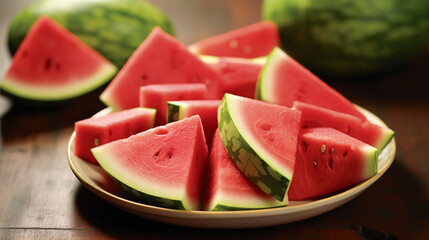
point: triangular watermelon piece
(261, 138)
(328, 160)
(283, 81)
(52, 64)
(159, 59)
(228, 189)
(163, 166)
(315, 116)
(251, 41)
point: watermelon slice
(52, 64)
(328, 160)
(228, 189)
(255, 40)
(283, 81)
(96, 131)
(239, 75)
(206, 109)
(160, 59)
(315, 116)
(162, 166)
(156, 96)
(261, 138)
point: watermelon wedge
(255, 40)
(52, 64)
(238, 75)
(328, 160)
(283, 81)
(162, 166)
(206, 109)
(160, 59)
(315, 116)
(261, 138)
(96, 131)
(156, 96)
(228, 189)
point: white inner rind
(60, 92)
(267, 81)
(231, 200)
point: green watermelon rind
(114, 28)
(141, 188)
(231, 202)
(254, 161)
(173, 111)
(73, 89)
(149, 199)
(372, 161)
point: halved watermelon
(52, 64)
(96, 131)
(283, 81)
(261, 138)
(160, 59)
(156, 96)
(228, 189)
(255, 40)
(239, 75)
(163, 166)
(315, 116)
(206, 109)
(328, 160)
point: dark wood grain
(40, 198)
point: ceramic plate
(95, 179)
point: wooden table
(40, 198)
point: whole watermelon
(350, 37)
(114, 28)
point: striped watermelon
(349, 37)
(263, 146)
(114, 28)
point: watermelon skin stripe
(247, 160)
(130, 21)
(173, 112)
(149, 199)
(221, 207)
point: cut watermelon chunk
(255, 40)
(239, 75)
(315, 116)
(206, 109)
(96, 131)
(328, 160)
(163, 166)
(160, 59)
(157, 96)
(283, 81)
(52, 64)
(228, 189)
(261, 138)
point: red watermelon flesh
(315, 116)
(328, 160)
(255, 40)
(53, 64)
(239, 76)
(96, 131)
(227, 187)
(163, 166)
(156, 96)
(206, 109)
(160, 59)
(283, 81)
